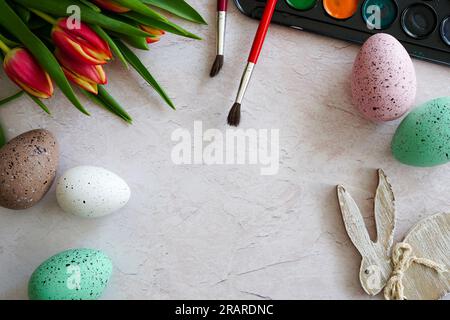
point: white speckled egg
(91, 192)
(383, 79)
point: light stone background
(208, 232)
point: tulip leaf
(91, 5)
(11, 98)
(136, 42)
(113, 104)
(105, 100)
(139, 7)
(167, 26)
(36, 23)
(18, 28)
(2, 137)
(59, 8)
(8, 42)
(111, 43)
(134, 61)
(39, 103)
(179, 8)
(22, 12)
(3, 101)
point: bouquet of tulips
(69, 41)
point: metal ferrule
(245, 80)
(221, 25)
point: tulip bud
(23, 69)
(81, 44)
(111, 6)
(87, 76)
(156, 34)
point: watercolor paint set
(422, 26)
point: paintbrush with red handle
(234, 117)
(221, 25)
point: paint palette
(422, 26)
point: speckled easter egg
(383, 79)
(91, 192)
(76, 274)
(28, 166)
(423, 137)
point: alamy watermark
(74, 279)
(373, 12)
(232, 147)
(374, 17)
(374, 277)
(74, 18)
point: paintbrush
(234, 117)
(221, 26)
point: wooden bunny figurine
(417, 268)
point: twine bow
(402, 259)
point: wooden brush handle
(262, 31)
(222, 5)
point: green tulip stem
(4, 47)
(44, 16)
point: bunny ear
(384, 212)
(354, 223)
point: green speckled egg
(423, 137)
(77, 274)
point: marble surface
(209, 232)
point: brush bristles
(234, 117)
(218, 64)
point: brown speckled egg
(383, 79)
(28, 166)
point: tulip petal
(88, 72)
(88, 36)
(111, 43)
(82, 44)
(83, 83)
(156, 33)
(12, 23)
(32, 91)
(85, 54)
(152, 40)
(153, 31)
(71, 48)
(23, 69)
(101, 75)
(98, 55)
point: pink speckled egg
(383, 79)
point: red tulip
(156, 34)
(81, 44)
(23, 69)
(87, 76)
(111, 6)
